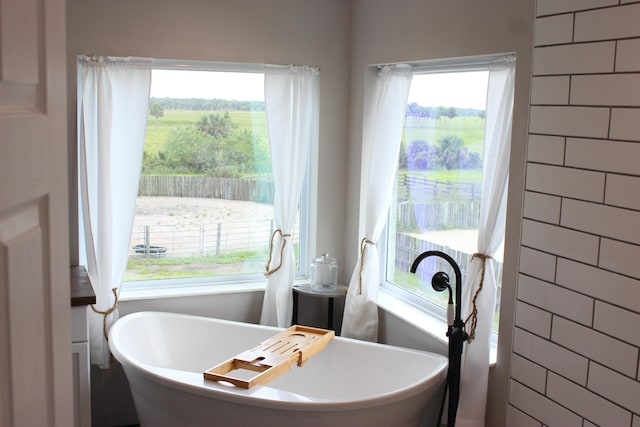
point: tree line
(192, 104)
(415, 110)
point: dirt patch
(191, 210)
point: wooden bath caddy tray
(273, 357)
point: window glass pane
(439, 182)
(204, 205)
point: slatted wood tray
(272, 357)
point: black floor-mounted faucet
(455, 331)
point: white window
(204, 210)
(439, 182)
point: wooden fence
(409, 247)
(440, 215)
(419, 189)
(202, 239)
(206, 187)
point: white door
(35, 344)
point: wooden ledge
(81, 289)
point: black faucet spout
(454, 266)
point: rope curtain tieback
(363, 244)
(473, 316)
(107, 312)
(268, 269)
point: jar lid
(324, 259)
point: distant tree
(451, 112)
(187, 147)
(156, 110)
(419, 155)
(449, 148)
(216, 125)
(469, 159)
(402, 158)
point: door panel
(21, 43)
(21, 239)
(35, 356)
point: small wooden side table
(339, 292)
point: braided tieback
(107, 313)
(363, 244)
(473, 316)
(268, 270)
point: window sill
(187, 290)
(420, 319)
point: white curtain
(386, 97)
(475, 362)
(112, 113)
(292, 103)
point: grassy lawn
(255, 121)
(240, 262)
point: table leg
(330, 320)
(294, 320)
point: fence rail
(419, 189)
(200, 240)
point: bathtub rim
(261, 395)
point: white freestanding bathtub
(349, 383)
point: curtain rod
(185, 64)
(474, 63)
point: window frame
(215, 282)
(429, 308)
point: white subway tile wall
(542, 207)
(520, 419)
(554, 30)
(576, 347)
(537, 263)
(550, 90)
(533, 319)
(555, 299)
(546, 149)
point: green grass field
(470, 129)
(255, 121)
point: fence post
(218, 238)
(201, 240)
(147, 242)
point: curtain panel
(292, 99)
(386, 96)
(479, 283)
(112, 116)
